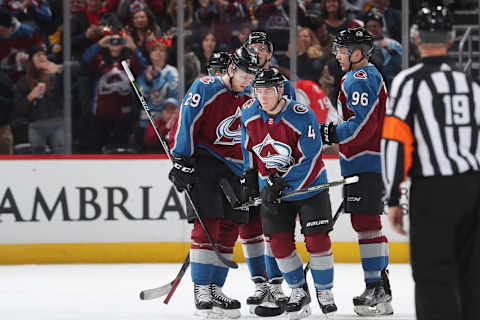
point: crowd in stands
(105, 114)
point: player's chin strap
(358, 61)
(276, 106)
(231, 81)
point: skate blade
(302, 313)
(329, 316)
(206, 315)
(227, 313)
(381, 309)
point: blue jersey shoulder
(363, 78)
(299, 114)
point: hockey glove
(273, 189)
(182, 173)
(249, 185)
(328, 132)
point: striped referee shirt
(431, 127)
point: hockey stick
(167, 289)
(228, 263)
(236, 204)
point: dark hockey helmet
(260, 37)
(218, 63)
(354, 38)
(246, 59)
(434, 18)
(268, 78)
(433, 24)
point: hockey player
(206, 148)
(258, 256)
(281, 139)
(261, 43)
(361, 106)
(218, 64)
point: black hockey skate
(276, 292)
(326, 302)
(261, 291)
(274, 303)
(223, 305)
(203, 302)
(376, 299)
(298, 305)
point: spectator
(86, 28)
(123, 8)
(231, 14)
(171, 17)
(55, 38)
(193, 68)
(390, 48)
(310, 57)
(37, 99)
(15, 39)
(274, 19)
(35, 13)
(205, 13)
(160, 80)
(333, 12)
(164, 119)
(208, 44)
(392, 18)
(142, 28)
(6, 108)
(113, 102)
(241, 37)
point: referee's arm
(396, 153)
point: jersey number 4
(311, 132)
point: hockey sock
(321, 259)
(253, 245)
(373, 245)
(271, 265)
(291, 266)
(226, 236)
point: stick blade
(154, 293)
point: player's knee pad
(365, 222)
(318, 242)
(282, 244)
(251, 230)
(227, 234)
(198, 233)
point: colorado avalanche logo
(229, 131)
(298, 108)
(360, 74)
(274, 154)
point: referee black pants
(445, 246)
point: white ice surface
(110, 291)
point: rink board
(105, 209)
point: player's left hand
(273, 189)
(328, 132)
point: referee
(431, 133)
